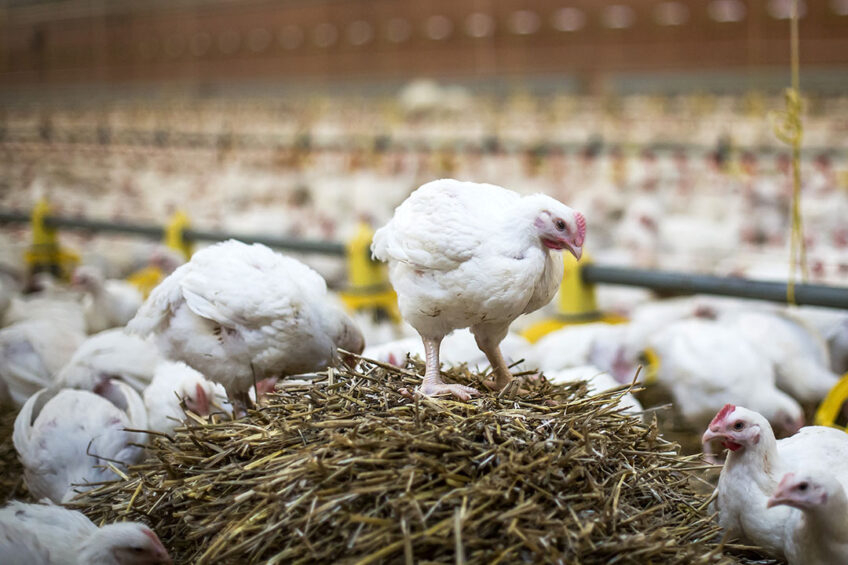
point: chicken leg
(433, 384)
(493, 353)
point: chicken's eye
(560, 225)
(803, 486)
(136, 549)
(738, 426)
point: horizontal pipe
(14, 218)
(685, 283)
(157, 232)
(294, 245)
(153, 232)
(673, 282)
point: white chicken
(46, 534)
(111, 355)
(597, 382)
(172, 382)
(817, 534)
(596, 344)
(66, 439)
(468, 255)
(32, 353)
(59, 307)
(706, 365)
(831, 325)
(241, 313)
(754, 465)
(107, 303)
(799, 355)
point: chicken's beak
(775, 500)
(781, 493)
(575, 250)
(710, 435)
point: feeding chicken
(68, 438)
(174, 382)
(798, 353)
(705, 365)
(242, 313)
(468, 255)
(756, 462)
(108, 356)
(817, 533)
(45, 534)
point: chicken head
(804, 490)
(737, 427)
(565, 231)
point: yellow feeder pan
(576, 303)
(830, 407)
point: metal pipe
(157, 232)
(153, 232)
(294, 245)
(684, 283)
(679, 283)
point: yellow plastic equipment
(369, 287)
(652, 365)
(174, 234)
(576, 303)
(831, 406)
(45, 253)
(146, 279)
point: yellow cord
(790, 131)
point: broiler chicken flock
(466, 260)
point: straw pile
(349, 470)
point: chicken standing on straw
(242, 313)
(468, 255)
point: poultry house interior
(381, 281)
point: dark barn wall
(150, 41)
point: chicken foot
(433, 385)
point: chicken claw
(462, 392)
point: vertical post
(174, 234)
(368, 281)
(45, 254)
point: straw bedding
(348, 470)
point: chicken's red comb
(723, 413)
(581, 227)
